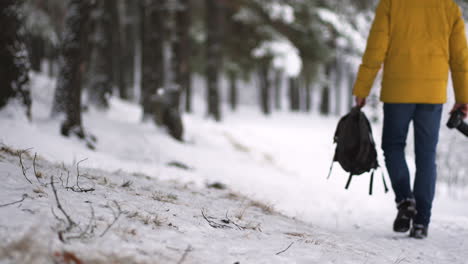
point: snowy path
(281, 161)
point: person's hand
(360, 102)
(462, 107)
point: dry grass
(266, 208)
(8, 150)
(165, 198)
(294, 234)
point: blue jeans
(426, 122)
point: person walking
(418, 42)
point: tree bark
(14, 80)
(213, 56)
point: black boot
(418, 231)
(406, 212)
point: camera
(456, 121)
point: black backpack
(355, 147)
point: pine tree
(14, 80)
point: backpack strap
(331, 167)
(349, 181)
(384, 183)
(371, 182)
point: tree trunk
(233, 90)
(213, 56)
(325, 100)
(129, 40)
(118, 77)
(68, 92)
(265, 88)
(14, 80)
(294, 97)
(102, 57)
(184, 50)
(337, 79)
(308, 94)
(36, 52)
(152, 54)
(278, 85)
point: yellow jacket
(417, 41)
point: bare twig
(116, 217)
(76, 187)
(56, 216)
(79, 189)
(59, 206)
(89, 231)
(213, 223)
(22, 199)
(282, 251)
(234, 223)
(184, 256)
(20, 154)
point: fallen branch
(71, 224)
(184, 256)
(213, 223)
(24, 170)
(24, 197)
(116, 217)
(89, 231)
(282, 251)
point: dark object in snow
(355, 147)
(179, 165)
(217, 185)
(126, 184)
(456, 121)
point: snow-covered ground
(281, 161)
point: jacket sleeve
(459, 57)
(376, 50)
